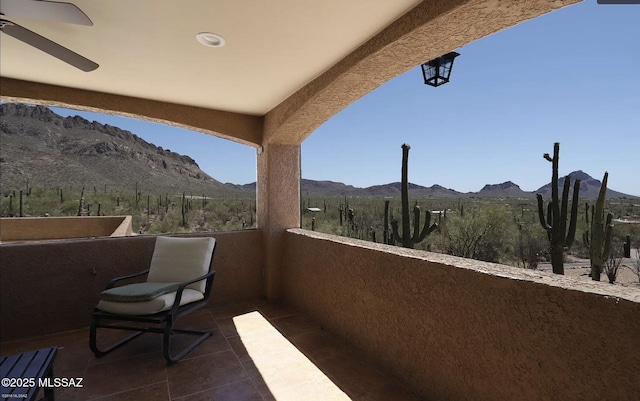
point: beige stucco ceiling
(287, 66)
(147, 48)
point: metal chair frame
(164, 321)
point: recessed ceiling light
(210, 39)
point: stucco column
(278, 201)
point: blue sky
(571, 76)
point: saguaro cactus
(81, 205)
(556, 219)
(627, 247)
(184, 210)
(408, 240)
(385, 229)
(598, 239)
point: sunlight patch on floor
(286, 371)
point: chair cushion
(158, 304)
(181, 259)
(138, 292)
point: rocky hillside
(49, 150)
(505, 190)
(589, 187)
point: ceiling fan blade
(45, 10)
(47, 46)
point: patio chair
(178, 282)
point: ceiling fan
(49, 11)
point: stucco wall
(51, 287)
(458, 329)
(278, 194)
(43, 228)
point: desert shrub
(484, 234)
(612, 264)
(530, 247)
(461, 234)
(498, 244)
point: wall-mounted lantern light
(437, 71)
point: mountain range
(589, 188)
(48, 149)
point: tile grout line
(122, 392)
(226, 338)
(166, 380)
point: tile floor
(258, 351)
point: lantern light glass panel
(437, 71)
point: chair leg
(166, 342)
(93, 339)
(167, 332)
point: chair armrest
(183, 285)
(113, 281)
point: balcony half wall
(459, 329)
(51, 228)
(52, 287)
